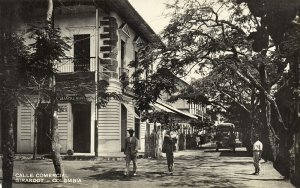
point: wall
(72, 21)
(142, 136)
(25, 127)
(130, 47)
(109, 128)
(65, 126)
(76, 20)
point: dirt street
(198, 168)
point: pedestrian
(198, 141)
(131, 149)
(168, 148)
(257, 151)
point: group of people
(131, 150)
(132, 143)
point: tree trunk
(295, 121)
(56, 158)
(158, 143)
(35, 135)
(7, 17)
(295, 160)
(155, 142)
(271, 136)
(8, 148)
(269, 152)
(251, 116)
(147, 141)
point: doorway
(43, 129)
(123, 126)
(81, 53)
(81, 127)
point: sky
(153, 12)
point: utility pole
(96, 80)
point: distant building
(189, 109)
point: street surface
(193, 168)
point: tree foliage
(212, 36)
(230, 45)
(48, 49)
(13, 55)
(148, 86)
(276, 19)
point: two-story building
(104, 35)
(191, 110)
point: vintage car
(225, 136)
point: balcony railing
(69, 65)
(76, 65)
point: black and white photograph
(150, 93)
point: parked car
(225, 136)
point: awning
(169, 108)
(161, 108)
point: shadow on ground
(234, 154)
(186, 174)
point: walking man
(168, 148)
(131, 149)
(257, 151)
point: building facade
(104, 33)
(119, 29)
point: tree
(216, 36)
(34, 94)
(9, 99)
(36, 72)
(279, 21)
(227, 96)
(48, 48)
(12, 54)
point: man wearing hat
(257, 151)
(131, 149)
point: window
(81, 53)
(123, 45)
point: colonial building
(104, 37)
(106, 32)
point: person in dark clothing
(131, 149)
(168, 148)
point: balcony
(74, 65)
(71, 65)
